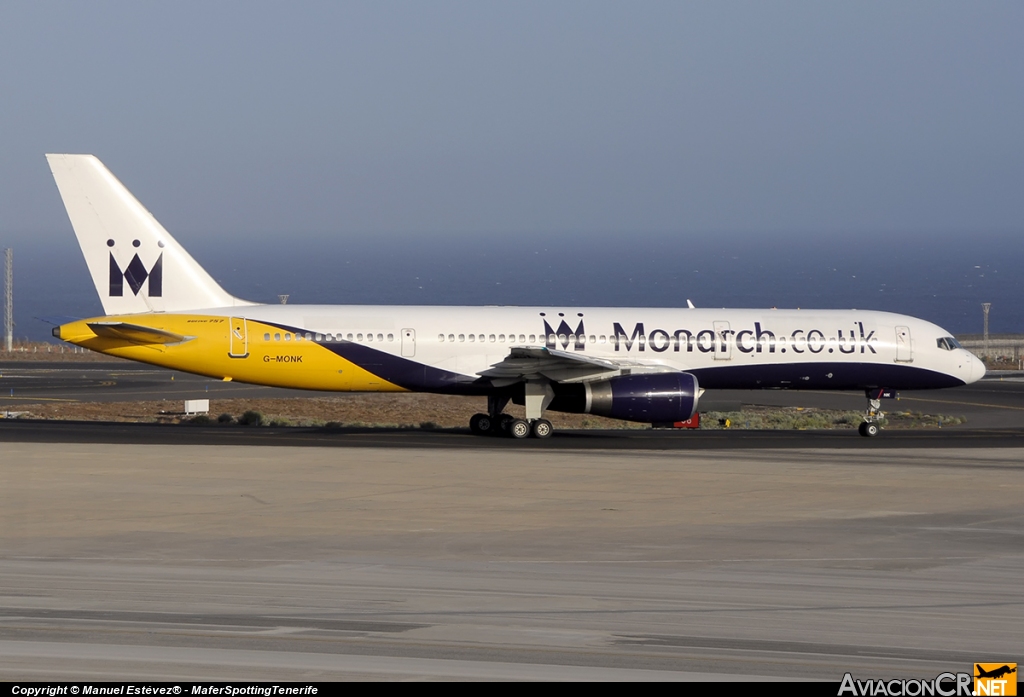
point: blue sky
(249, 120)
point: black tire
(860, 429)
(541, 428)
(480, 424)
(519, 429)
(871, 430)
(503, 422)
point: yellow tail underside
(227, 349)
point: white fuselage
(736, 348)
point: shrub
(225, 419)
(251, 418)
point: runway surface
(244, 562)
(132, 551)
(25, 431)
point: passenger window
(501, 338)
(440, 338)
(462, 337)
(359, 337)
(451, 337)
(492, 338)
(380, 337)
(593, 339)
(522, 338)
(329, 337)
(391, 337)
(277, 336)
(602, 339)
(533, 338)
(266, 337)
(287, 337)
(472, 338)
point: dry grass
(409, 410)
(385, 410)
(441, 411)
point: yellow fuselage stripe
(227, 349)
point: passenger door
(408, 343)
(904, 345)
(239, 338)
(723, 346)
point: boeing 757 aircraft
(636, 364)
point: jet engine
(650, 398)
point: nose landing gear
(874, 414)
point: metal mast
(985, 308)
(8, 299)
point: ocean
(941, 278)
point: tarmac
(130, 555)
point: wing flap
(525, 362)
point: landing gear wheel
(480, 424)
(542, 428)
(868, 429)
(518, 428)
(503, 422)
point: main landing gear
(507, 425)
(874, 414)
(538, 397)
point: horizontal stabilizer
(135, 333)
(58, 320)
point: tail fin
(136, 265)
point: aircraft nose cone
(976, 370)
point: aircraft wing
(136, 334)
(525, 362)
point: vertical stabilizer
(135, 263)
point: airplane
(648, 365)
(995, 673)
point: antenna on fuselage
(283, 299)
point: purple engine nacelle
(651, 398)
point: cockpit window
(948, 343)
